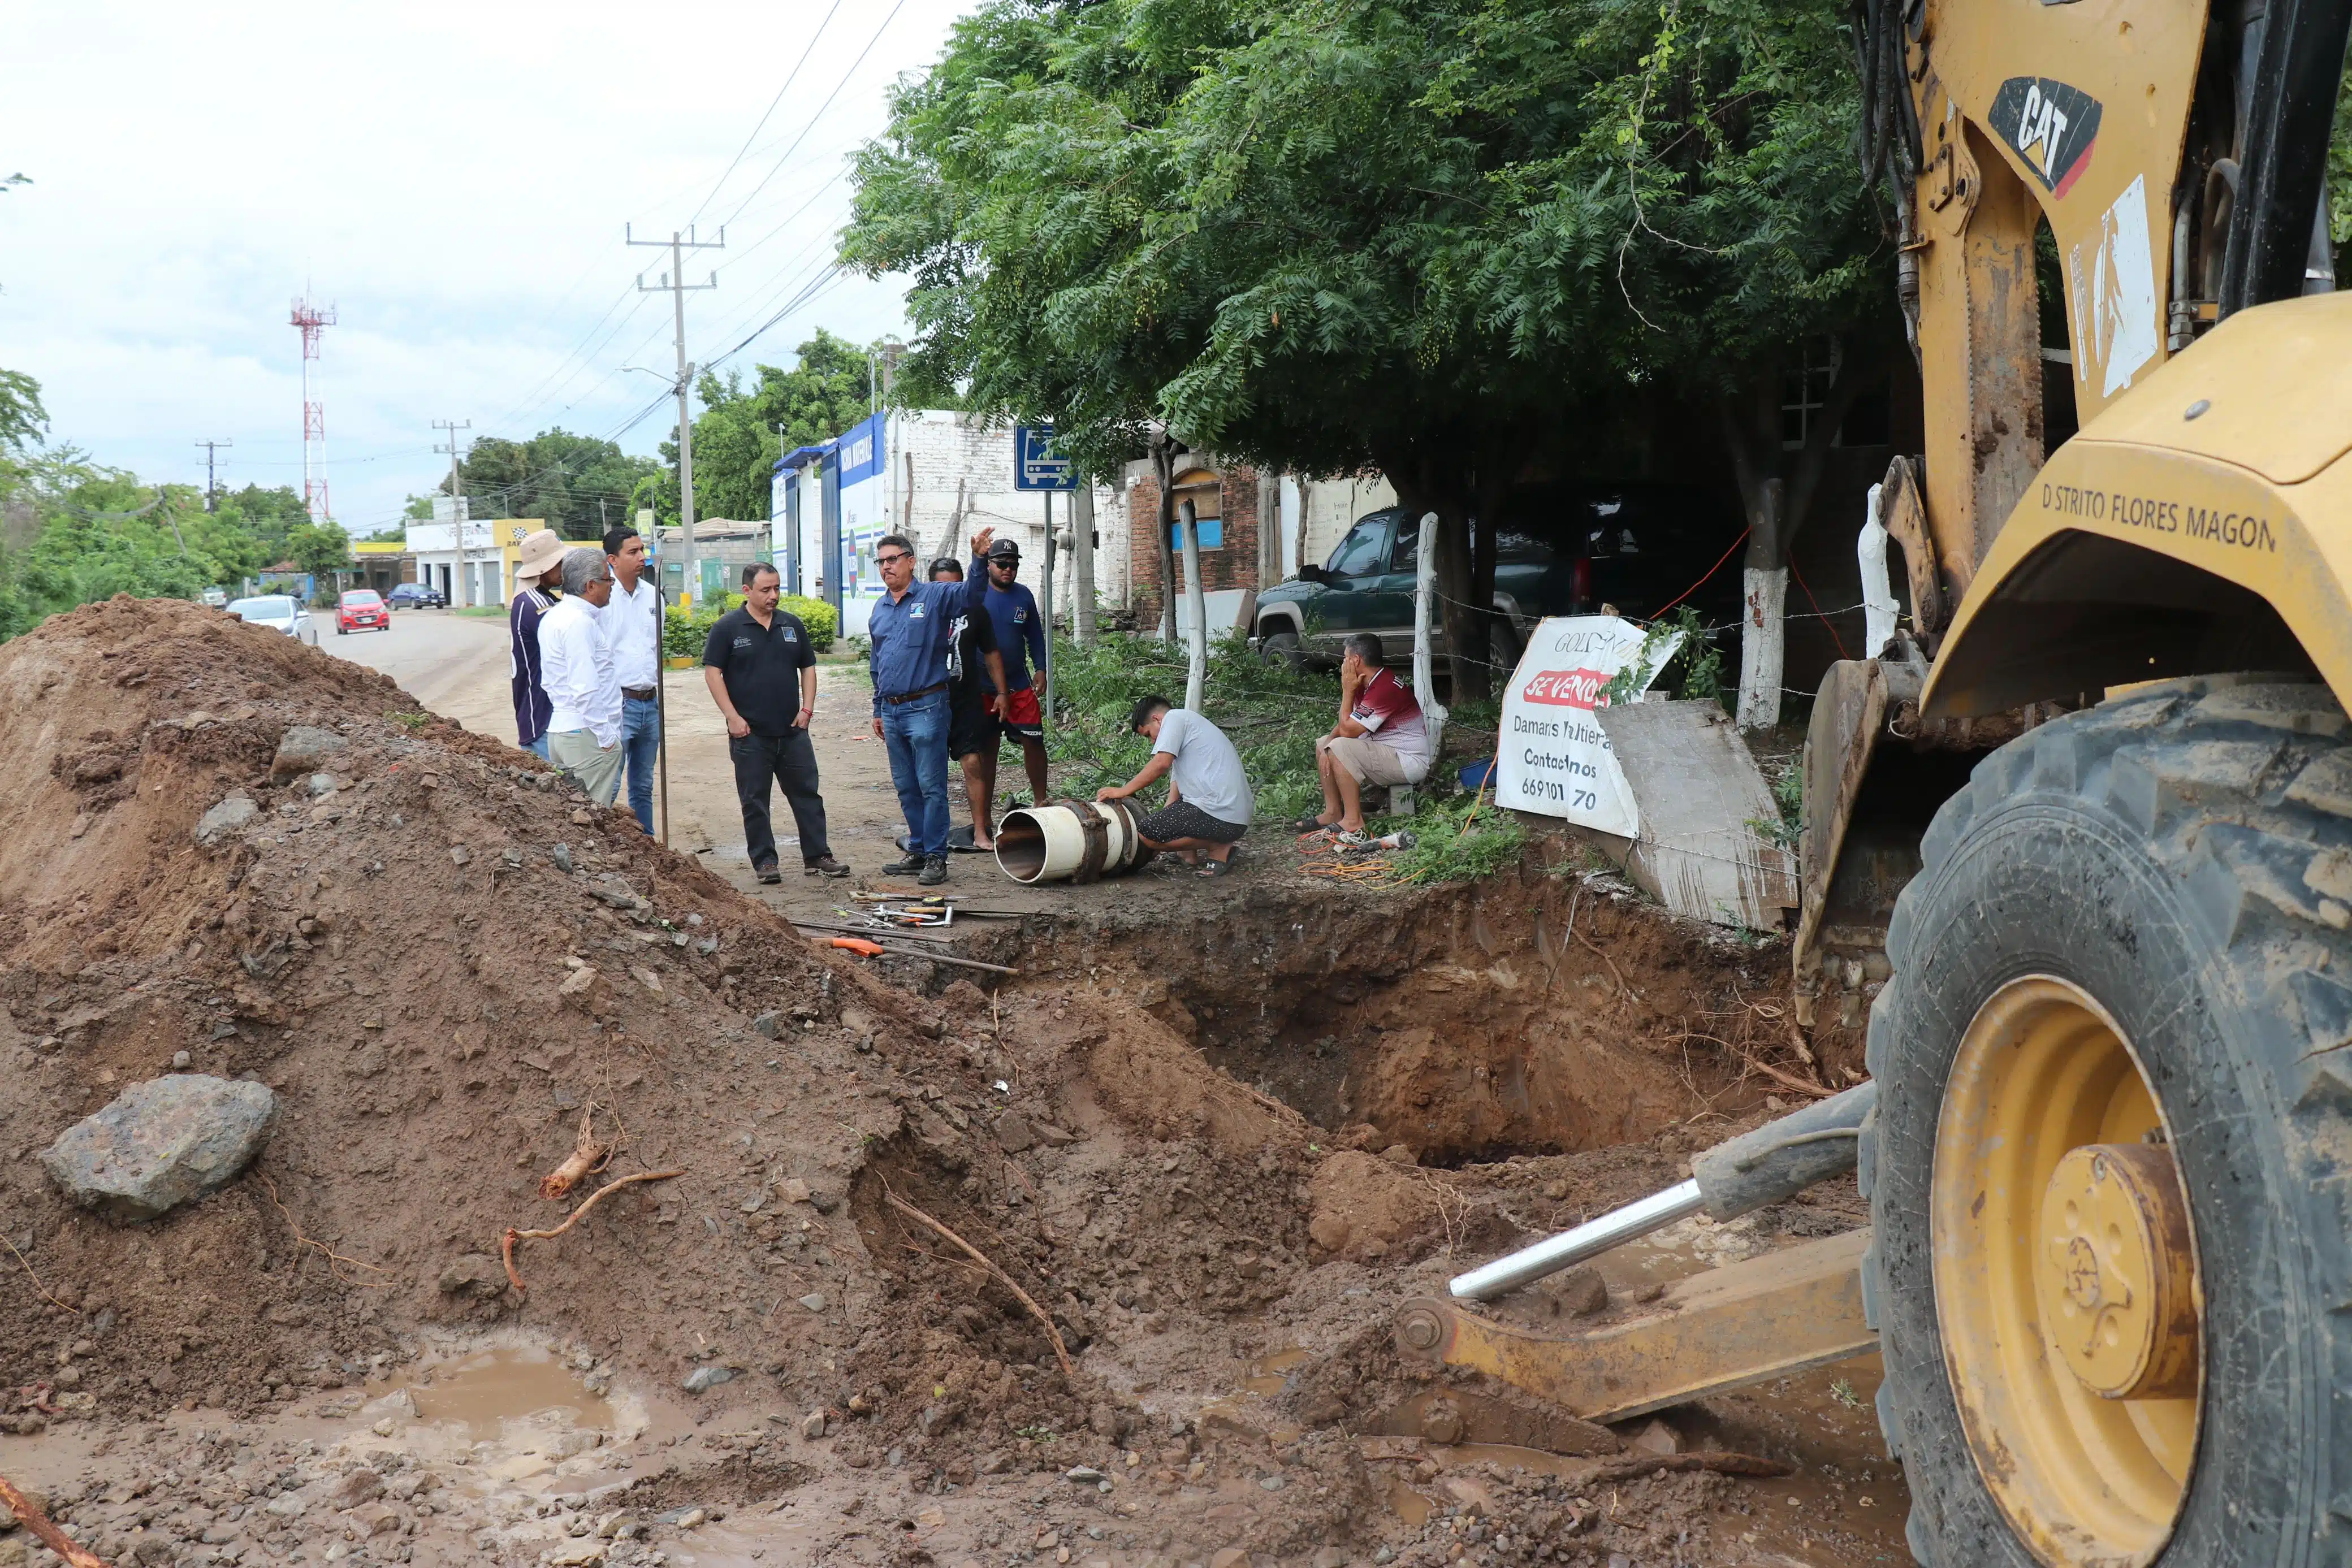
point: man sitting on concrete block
(1381, 739)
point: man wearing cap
(584, 695)
(910, 629)
(538, 572)
(633, 624)
(1020, 637)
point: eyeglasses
(892, 560)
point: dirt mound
(446, 965)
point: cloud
(455, 179)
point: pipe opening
(1020, 846)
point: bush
(686, 631)
(1272, 714)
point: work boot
(935, 871)
(913, 861)
(825, 865)
(766, 872)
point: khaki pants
(1370, 762)
(595, 769)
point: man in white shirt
(584, 695)
(1210, 804)
(633, 624)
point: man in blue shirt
(911, 628)
(1020, 637)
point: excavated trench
(1537, 1013)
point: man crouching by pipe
(1209, 804)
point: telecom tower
(313, 319)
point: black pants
(791, 762)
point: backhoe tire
(2182, 856)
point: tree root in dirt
(506, 1247)
(335, 1260)
(33, 1519)
(1061, 1351)
(587, 1157)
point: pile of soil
(446, 965)
(444, 962)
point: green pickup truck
(1561, 549)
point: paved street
(456, 666)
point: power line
(842, 83)
(773, 104)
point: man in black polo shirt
(761, 673)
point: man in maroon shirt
(1381, 739)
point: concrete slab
(1701, 799)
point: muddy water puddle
(492, 1390)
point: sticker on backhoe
(2052, 126)
(2112, 292)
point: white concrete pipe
(1070, 841)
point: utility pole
(456, 511)
(673, 282)
(212, 485)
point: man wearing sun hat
(538, 572)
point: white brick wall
(955, 477)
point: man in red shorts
(1020, 638)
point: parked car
(279, 613)
(362, 610)
(1561, 549)
(416, 596)
(216, 597)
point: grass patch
(482, 611)
(1451, 845)
(1274, 715)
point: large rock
(304, 748)
(224, 819)
(162, 1142)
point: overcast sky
(454, 180)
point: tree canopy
(580, 484)
(72, 531)
(1435, 236)
(743, 429)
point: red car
(360, 610)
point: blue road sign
(1035, 465)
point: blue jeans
(539, 748)
(640, 740)
(916, 734)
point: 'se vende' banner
(1553, 756)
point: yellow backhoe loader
(2078, 838)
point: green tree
(743, 430)
(72, 531)
(1436, 237)
(581, 485)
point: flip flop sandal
(1309, 822)
(1213, 868)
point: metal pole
(678, 287)
(457, 513)
(1570, 1247)
(684, 422)
(1046, 713)
(661, 700)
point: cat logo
(2051, 126)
